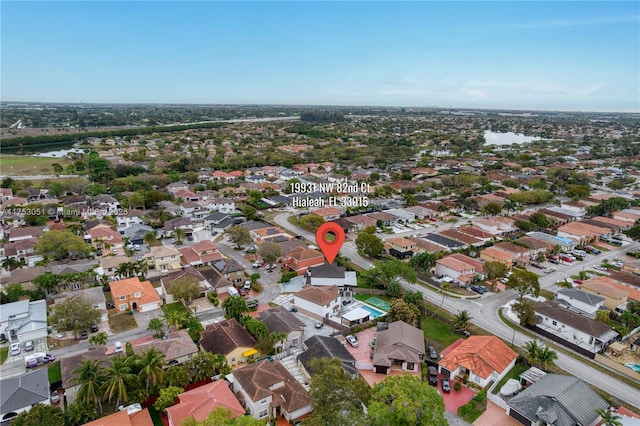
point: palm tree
(179, 234)
(119, 375)
(609, 418)
(99, 339)
(140, 268)
(461, 321)
(532, 348)
(90, 376)
(151, 363)
(150, 237)
(546, 357)
(157, 326)
(10, 263)
(175, 319)
(204, 365)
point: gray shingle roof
(23, 391)
(559, 400)
(329, 347)
(581, 296)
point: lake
(59, 153)
(496, 138)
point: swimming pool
(633, 367)
(373, 311)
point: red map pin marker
(330, 249)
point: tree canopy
(75, 314)
(58, 244)
(405, 400)
(524, 282)
(185, 288)
(369, 244)
(239, 235)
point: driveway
(495, 415)
(454, 400)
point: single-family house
(163, 258)
(230, 339)
(615, 295)
(557, 400)
(483, 358)
(398, 346)
(124, 418)
(318, 302)
(230, 269)
(180, 274)
(331, 275)
(580, 301)
(267, 390)
(136, 233)
(590, 335)
(583, 233)
(318, 346)
(20, 393)
(177, 346)
(106, 238)
(202, 253)
(24, 320)
(493, 254)
(133, 294)
(383, 218)
(221, 205)
(199, 402)
(328, 213)
(109, 264)
(22, 250)
(301, 258)
(361, 221)
(459, 270)
(401, 248)
(280, 320)
(129, 218)
(27, 232)
(217, 282)
(93, 295)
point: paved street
(485, 313)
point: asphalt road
(485, 312)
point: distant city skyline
(578, 56)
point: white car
(14, 349)
(353, 341)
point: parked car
(14, 349)
(99, 252)
(247, 285)
(433, 354)
(446, 386)
(49, 358)
(554, 259)
(257, 263)
(58, 334)
(483, 288)
(353, 341)
(433, 376)
(477, 289)
(319, 325)
(118, 347)
(84, 335)
(55, 397)
(94, 328)
(29, 346)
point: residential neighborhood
(180, 273)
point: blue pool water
(373, 311)
(634, 367)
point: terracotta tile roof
(302, 253)
(401, 242)
(328, 211)
(475, 232)
(318, 295)
(460, 236)
(130, 286)
(121, 418)
(497, 254)
(477, 264)
(454, 264)
(480, 354)
(177, 345)
(198, 403)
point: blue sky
(523, 55)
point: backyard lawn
(122, 322)
(55, 374)
(514, 373)
(437, 331)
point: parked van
(233, 291)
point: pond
(497, 138)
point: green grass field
(4, 354)
(122, 322)
(14, 165)
(438, 332)
(55, 373)
(514, 373)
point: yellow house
(230, 339)
(612, 292)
